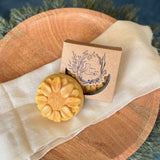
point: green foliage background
(150, 150)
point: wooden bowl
(37, 41)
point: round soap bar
(91, 87)
(59, 97)
(94, 87)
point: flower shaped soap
(59, 97)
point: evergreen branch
(156, 40)
(126, 12)
(105, 6)
(90, 4)
(53, 4)
(156, 29)
(19, 15)
(5, 27)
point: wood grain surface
(38, 41)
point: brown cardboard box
(91, 64)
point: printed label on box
(94, 66)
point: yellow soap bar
(59, 97)
(89, 88)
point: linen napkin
(25, 134)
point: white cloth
(25, 134)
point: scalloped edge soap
(59, 97)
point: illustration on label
(88, 68)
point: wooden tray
(37, 41)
